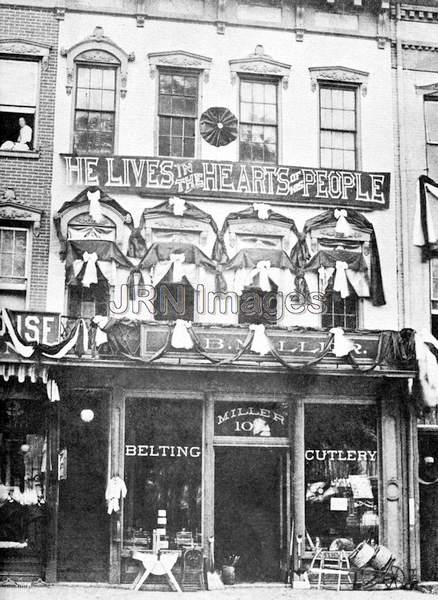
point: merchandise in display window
(163, 446)
(341, 475)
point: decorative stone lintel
(179, 59)
(26, 48)
(97, 43)
(260, 63)
(339, 75)
(425, 90)
(140, 20)
(12, 211)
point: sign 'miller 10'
(230, 179)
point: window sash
(338, 313)
(23, 95)
(13, 259)
(338, 123)
(258, 132)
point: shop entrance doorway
(83, 523)
(252, 511)
(428, 478)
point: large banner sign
(206, 178)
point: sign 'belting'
(206, 178)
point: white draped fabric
(238, 279)
(427, 367)
(418, 229)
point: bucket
(228, 575)
(362, 555)
(381, 558)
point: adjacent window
(95, 108)
(13, 254)
(257, 306)
(431, 123)
(86, 302)
(340, 312)
(177, 113)
(174, 301)
(338, 127)
(18, 103)
(258, 121)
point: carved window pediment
(339, 75)
(179, 59)
(260, 63)
(97, 48)
(22, 47)
(426, 90)
(11, 211)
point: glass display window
(163, 472)
(341, 465)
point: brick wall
(31, 178)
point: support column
(116, 468)
(52, 492)
(298, 471)
(208, 474)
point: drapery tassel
(52, 391)
(342, 346)
(340, 283)
(90, 275)
(260, 342)
(95, 208)
(262, 210)
(178, 204)
(101, 337)
(177, 260)
(181, 338)
(342, 225)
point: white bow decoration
(181, 338)
(52, 391)
(260, 342)
(262, 270)
(179, 205)
(177, 259)
(101, 337)
(341, 345)
(340, 283)
(95, 208)
(90, 275)
(342, 225)
(261, 210)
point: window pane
(189, 147)
(271, 94)
(191, 86)
(6, 265)
(190, 107)
(83, 77)
(245, 133)
(164, 146)
(349, 119)
(270, 135)
(245, 151)
(96, 78)
(326, 118)
(325, 97)
(189, 127)
(337, 159)
(326, 158)
(431, 116)
(165, 125)
(22, 71)
(270, 153)
(349, 141)
(337, 98)
(176, 146)
(246, 91)
(176, 126)
(258, 91)
(95, 99)
(83, 99)
(246, 112)
(349, 99)
(81, 120)
(326, 139)
(337, 119)
(178, 105)
(349, 160)
(107, 100)
(20, 241)
(19, 265)
(107, 122)
(7, 240)
(165, 105)
(270, 113)
(257, 152)
(109, 79)
(178, 85)
(258, 111)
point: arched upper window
(97, 70)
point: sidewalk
(253, 592)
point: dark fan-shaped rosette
(218, 126)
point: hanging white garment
(90, 275)
(178, 204)
(262, 210)
(260, 343)
(342, 225)
(115, 490)
(341, 345)
(340, 283)
(427, 367)
(95, 208)
(181, 338)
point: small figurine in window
(23, 140)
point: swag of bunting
(394, 348)
(88, 261)
(424, 230)
(343, 220)
(340, 269)
(179, 207)
(259, 211)
(77, 339)
(176, 261)
(260, 268)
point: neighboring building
(29, 57)
(176, 125)
(415, 67)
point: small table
(156, 563)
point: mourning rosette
(218, 126)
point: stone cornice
(22, 47)
(259, 63)
(339, 75)
(179, 59)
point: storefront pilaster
(208, 474)
(116, 469)
(298, 470)
(53, 494)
